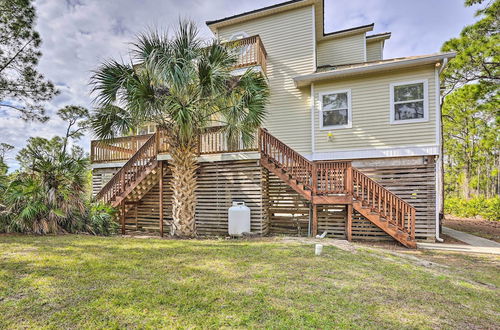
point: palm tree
(184, 86)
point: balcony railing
(118, 149)
(213, 141)
(251, 52)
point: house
(351, 143)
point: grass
(92, 282)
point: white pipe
(439, 163)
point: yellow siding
(288, 39)
(344, 50)
(371, 128)
(374, 51)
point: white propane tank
(238, 219)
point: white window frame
(243, 35)
(349, 110)
(425, 100)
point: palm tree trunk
(183, 166)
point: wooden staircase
(337, 182)
(319, 182)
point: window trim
(349, 110)
(425, 100)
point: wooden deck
(325, 185)
(214, 141)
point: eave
(371, 67)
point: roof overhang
(347, 32)
(378, 37)
(392, 64)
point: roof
(340, 71)
(270, 10)
(252, 12)
(350, 31)
(378, 36)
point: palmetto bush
(49, 198)
(50, 193)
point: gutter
(305, 80)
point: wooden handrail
(117, 149)
(321, 177)
(133, 168)
(395, 210)
(213, 141)
(251, 52)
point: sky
(79, 34)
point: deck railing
(213, 141)
(321, 177)
(395, 210)
(118, 149)
(251, 52)
(324, 178)
(143, 159)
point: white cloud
(78, 34)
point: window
(146, 129)
(335, 109)
(409, 102)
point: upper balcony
(213, 141)
(251, 53)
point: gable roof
(270, 10)
(251, 12)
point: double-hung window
(335, 109)
(409, 102)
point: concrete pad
(459, 248)
(470, 239)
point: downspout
(312, 148)
(439, 140)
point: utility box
(238, 219)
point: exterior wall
(371, 127)
(342, 50)
(411, 178)
(289, 41)
(276, 208)
(374, 50)
(101, 176)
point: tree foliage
(471, 106)
(184, 86)
(50, 193)
(477, 48)
(22, 87)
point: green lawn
(91, 282)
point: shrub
(100, 220)
(478, 206)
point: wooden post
(349, 222)
(136, 206)
(349, 183)
(122, 215)
(314, 229)
(161, 197)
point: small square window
(409, 102)
(335, 109)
